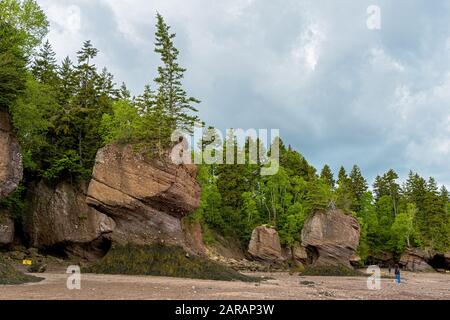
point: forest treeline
(64, 112)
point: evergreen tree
(66, 85)
(327, 176)
(178, 108)
(358, 187)
(44, 67)
(344, 196)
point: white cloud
(307, 50)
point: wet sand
(415, 286)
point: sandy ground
(283, 286)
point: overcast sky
(340, 93)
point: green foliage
(12, 65)
(290, 231)
(28, 19)
(122, 125)
(403, 229)
(10, 276)
(327, 176)
(166, 261)
(15, 204)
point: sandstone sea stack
(147, 198)
(265, 245)
(331, 238)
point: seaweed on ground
(162, 260)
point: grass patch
(10, 276)
(166, 261)
(331, 271)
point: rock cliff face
(265, 245)
(6, 228)
(146, 198)
(415, 260)
(11, 170)
(331, 238)
(59, 217)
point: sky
(345, 82)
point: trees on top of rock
(153, 116)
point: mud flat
(282, 286)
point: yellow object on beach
(27, 262)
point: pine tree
(123, 93)
(86, 75)
(344, 196)
(66, 87)
(358, 187)
(327, 176)
(177, 107)
(45, 67)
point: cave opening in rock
(439, 262)
(313, 254)
(57, 250)
(92, 251)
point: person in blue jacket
(397, 274)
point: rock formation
(146, 198)
(265, 245)
(331, 238)
(11, 170)
(415, 260)
(297, 254)
(59, 217)
(6, 228)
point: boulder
(59, 217)
(147, 198)
(331, 238)
(11, 170)
(6, 229)
(415, 260)
(265, 245)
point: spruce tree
(327, 176)
(358, 187)
(44, 67)
(177, 108)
